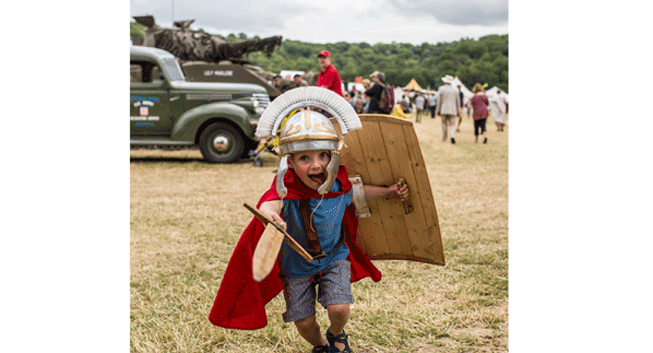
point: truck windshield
(173, 69)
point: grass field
(187, 215)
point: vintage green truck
(167, 110)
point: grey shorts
(334, 288)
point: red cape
(240, 302)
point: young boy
(298, 276)
(310, 198)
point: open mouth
(318, 178)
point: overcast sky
(380, 21)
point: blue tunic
(328, 221)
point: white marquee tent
(398, 94)
(493, 91)
(467, 94)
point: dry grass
(186, 217)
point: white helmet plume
(303, 97)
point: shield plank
(384, 151)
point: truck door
(149, 101)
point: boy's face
(311, 167)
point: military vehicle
(211, 58)
(226, 71)
(168, 110)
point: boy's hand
(373, 192)
(277, 219)
(271, 209)
(399, 193)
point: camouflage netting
(188, 45)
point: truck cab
(167, 110)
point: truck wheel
(221, 143)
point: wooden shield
(383, 151)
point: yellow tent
(413, 85)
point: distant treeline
(484, 60)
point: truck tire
(221, 143)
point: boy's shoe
(341, 338)
(321, 349)
(453, 140)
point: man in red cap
(328, 77)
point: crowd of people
(448, 103)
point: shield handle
(408, 204)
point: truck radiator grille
(263, 99)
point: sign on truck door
(149, 101)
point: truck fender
(186, 127)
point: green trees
(484, 60)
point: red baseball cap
(324, 53)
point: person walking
(499, 109)
(460, 117)
(432, 101)
(448, 108)
(328, 77)
(480, 103)
(419, 107)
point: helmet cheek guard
(332, 172)
(299, 128)
(283, 168)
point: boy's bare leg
(310, 330)
(338, 315)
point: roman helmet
(296, 124)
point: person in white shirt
(448, 107)
(499, 109)
(419, 108)
(432, 101)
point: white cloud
(373, 22)
(468, 12)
